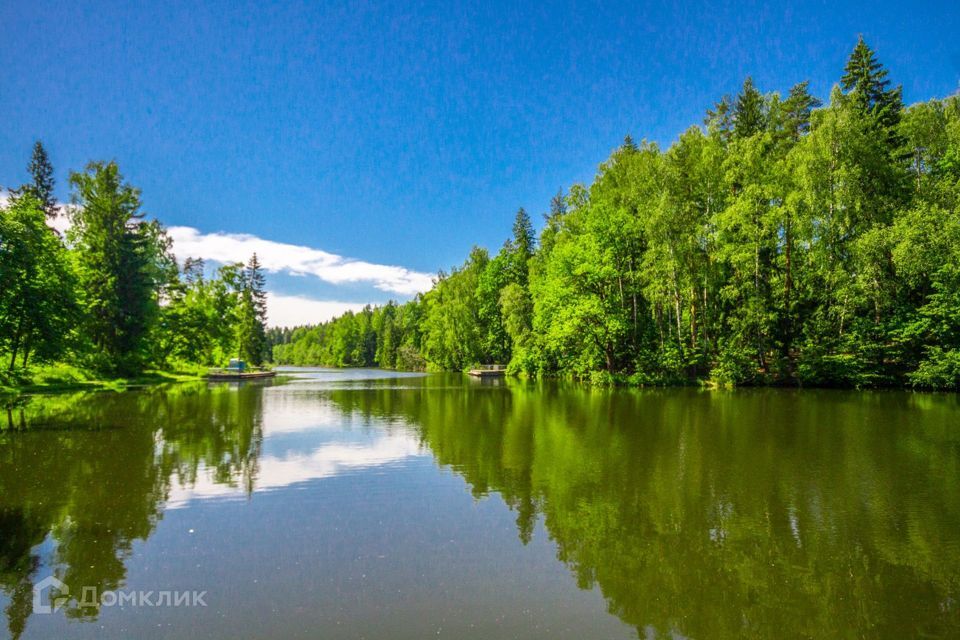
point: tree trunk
(15, 344)
(693, 318)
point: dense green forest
(784, 241)
(108, 295)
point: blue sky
(400, 134)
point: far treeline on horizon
(786, 240)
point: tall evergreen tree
(865, 79)
(748, 111)
(42, 181)
(257, 282)
(523, 236)
(252, 331)
(523, 245)
(797, 109)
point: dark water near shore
(366, 504)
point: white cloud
(329, 460)
(296, 260)
(291, 259)
(293, 311)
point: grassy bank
(54, 378)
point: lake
(371, 504)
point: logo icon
(55, 600)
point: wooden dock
(220, 375)
(489, 371)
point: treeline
(108, 294)
(783, 241)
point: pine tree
(257, 282)
(41, 186)
(523, 236)
(523, 244)
(797, 109)
(252, 332)
(748, 112)
(865, 79)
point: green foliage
(252, 314)
(866, 80)
(121, 263)
(109, 296)
(749, 112)
(41, 187)
(784, 242)
(37, 291)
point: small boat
(489, 371)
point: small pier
(489, 371)
(238, 370)
(225, 374)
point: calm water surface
(366, 504)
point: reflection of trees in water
(91, 473)
(19, 533)
(722, 515)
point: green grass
(58, 377)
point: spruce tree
(523, 237)
(865, 80)
(257, 283)
(252, 332)
(42, 183)
(797, 109)
(522, 244)
(748, 112)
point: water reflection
(697, 514)
(722, 515)
(83, 477)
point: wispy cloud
(296, 260)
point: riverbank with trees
(786, 240)
(106, 302)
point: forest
(785, 240)
(107, 297)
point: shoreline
(10, 388)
